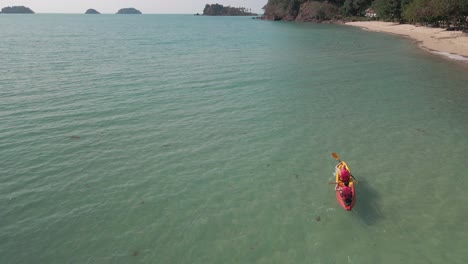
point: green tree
(387, 9)
(415, 11)
(355, 7)
(438, 12)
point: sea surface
(185, 139)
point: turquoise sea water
(183, 139)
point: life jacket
(346, 192)
(344, 175)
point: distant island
(220, 10)
(129, 11)
(92, 12)
(16, 10)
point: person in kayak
(346, 193)
(344, 175)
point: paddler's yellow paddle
(334, 155)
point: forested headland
(220, 10)
(436, 13)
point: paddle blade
(334, 155)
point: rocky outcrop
(303, 11)
(317, 12)
(286, 10)
(17, 10)
(92, 12)
(129, 11)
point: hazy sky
(145, 6)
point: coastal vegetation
(436, 13)
(220, 10)
(16, 10)
(129, 11)
(92, 12)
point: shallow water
(182, 139)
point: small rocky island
(129, 11)
(16, 10)
(92, 12)
(220, 10)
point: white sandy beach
(453, 44)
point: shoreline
(450, 44)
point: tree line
(220, 10)
(438, 13)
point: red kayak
(346, 202)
